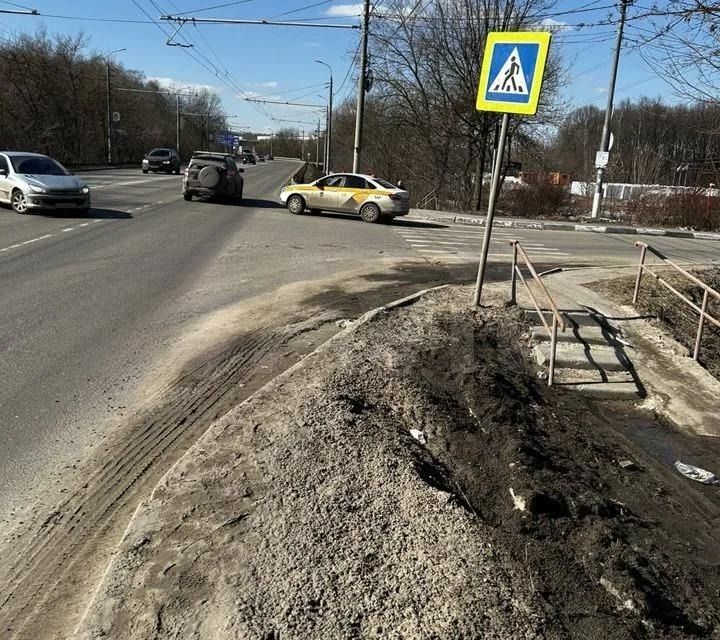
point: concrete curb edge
(567, 226)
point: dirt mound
(415, 480)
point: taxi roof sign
(512, 71)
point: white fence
(625, 191)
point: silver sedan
(31, 181)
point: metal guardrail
(707, 290)
(557, 319)
(430, 197)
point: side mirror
(241, 170)
(3, 172)
(320, 186)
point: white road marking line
(98, 220)
(84, 224)
(68, 229)
(20, 244)
(124, 184)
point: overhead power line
(180, 19)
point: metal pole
(597, 197)
(317, 146)
(513, 276)
(491, 209)
(329, 127)
(643, 250)
(327, 124)
(361, 88)
(553, 349)
(701, 326)
(109, 114)
(177, 123)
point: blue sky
(278, 62)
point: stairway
(590, 356)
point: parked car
(31, 181)
(213, 174)
(248, 157)
(371, 197)
(261, 158)
(166, 160)
(270, 158)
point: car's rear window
(160, 153)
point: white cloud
(266, 85)
(556, 26)
(345, 10)
(600, 89)
(176, 85)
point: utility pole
(109, 111)
(177, 123)
(317, 145)
(597, 197)
(361, 87)
(328, 128)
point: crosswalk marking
(449, 243)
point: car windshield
(38, 165)
(159, 153)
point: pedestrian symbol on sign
(511, 78)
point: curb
(565, 226)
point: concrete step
(612, 385)
(572, 318)
(578, 356)
(587, 334)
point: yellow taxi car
(368, 196)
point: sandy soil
(514, 511)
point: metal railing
(707, 290)
(430, 197)
(557, 319)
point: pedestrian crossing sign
(512, 71)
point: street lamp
(328, 142)
(109, 112)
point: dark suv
(166, 160)
(213, 174)
(248, 157)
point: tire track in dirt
(48, 581)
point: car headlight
(166, 161)
(85, 189)
(35, 189)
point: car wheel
(238, 198)
(177, 171)
(19, 201)
(145, 170)
(187, 196)
(370, 212)
(296, 204)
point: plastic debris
(542, 375)
(518, 501)
(418, 435)
(628, 464)
(696, 473)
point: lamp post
(109, 112)
(329, 117)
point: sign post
(510, 82)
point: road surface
(126, 332)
